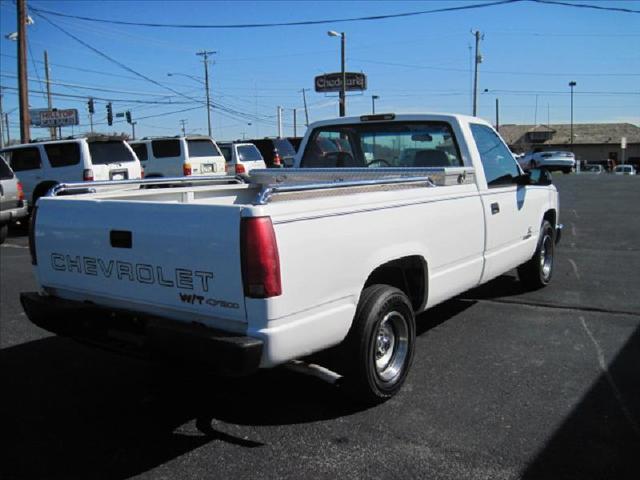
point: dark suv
(269, 147)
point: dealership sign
(57, 118)
(332, 82)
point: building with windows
(592, 142)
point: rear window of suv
(249, 153)
(202, 148)
(165, 148)
(285, 149)
(109, 152)
(63, 154)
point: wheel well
(40, 190)
(550, 216)
(408, 274)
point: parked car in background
(241, 157)
(594, 169)
(41, 165)
(12, 204)
(551, 160)
(295, 141)
(179, 156)
(624, 170)
(276, 152)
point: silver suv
(12, 204)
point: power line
(584, 5)
(277, 24)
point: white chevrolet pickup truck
(383, 217)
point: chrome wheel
(391, 346)
(546, 256)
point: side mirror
(540, 176)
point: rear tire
(537, 272)
(378, 350)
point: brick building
(592, 142)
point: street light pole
(373, 103)
(571, 85)
(343, 72)
(205, 54)
(478, 36)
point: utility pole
(479, 36)
(6, 124)
(279, 122)
(205, 54)
(23, 88)
(133, 130)
(183, 122)
(295, 122)
(1, 122)
(52, 130)
(306, 110)
(497, 115)
(373, 103)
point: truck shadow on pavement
(69, 411)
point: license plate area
(207, 168)
(118, 175)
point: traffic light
(109, 114)
(92, 109)
(128, 116)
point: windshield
(110, 152)
(389, 144)
(202, 148)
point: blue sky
(414, 64)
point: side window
(63, 154)
(165, 148)
(500, 167)
(140, 150)
(25, 159)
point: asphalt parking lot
(505, 384)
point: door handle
(495, 208)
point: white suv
(241, 157)
(179, 156)
(41, 165)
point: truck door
(511, 211)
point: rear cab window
(63, 154)
(202, 148)
(140, 149)
(165, 148)
(420, 144)
(27, 158)
(110, 151)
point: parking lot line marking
(612, 383)
(11, 245)
(573, 230)
(575, 213)
(575, 268)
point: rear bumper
(145, 336)
(13, 214)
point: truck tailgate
(174, 260)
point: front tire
(537, 272)
(380, 345)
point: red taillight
(186, 169)
(20, 192)
(260, 259)
(142, 173)
(276, 158)
(240, 169)
(32, 236)
(87, 175)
